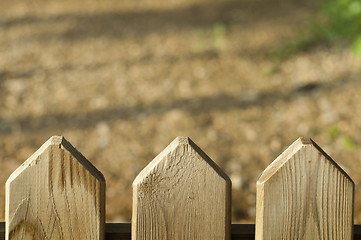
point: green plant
(348, 143)
(342, 19)
(335, 133)
(337, 21)
(218, 36)
(356, 46)
(213, 39)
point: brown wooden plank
(181, 195)
(304, 194)
(122, 231)
(55, 194)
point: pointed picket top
(304, 194)
(178, 188)
(55, 194)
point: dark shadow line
(125, 24)
(146, 59)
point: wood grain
(304, 194)
(55, 194)
(181, 194)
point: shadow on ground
(220, 102)
(121, 24)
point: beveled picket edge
(122, 231)
(312, 188)
(183, 174)
(60, 167)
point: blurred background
(121, 79)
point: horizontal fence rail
(181, 195)
(122, 231)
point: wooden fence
(181, 194)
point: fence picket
(304, 194)
(181, 194)
(55, 194)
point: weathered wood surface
(181, 194)
(55, 194)
(304, 194)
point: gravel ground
(121, 80)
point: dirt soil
(121, 79)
